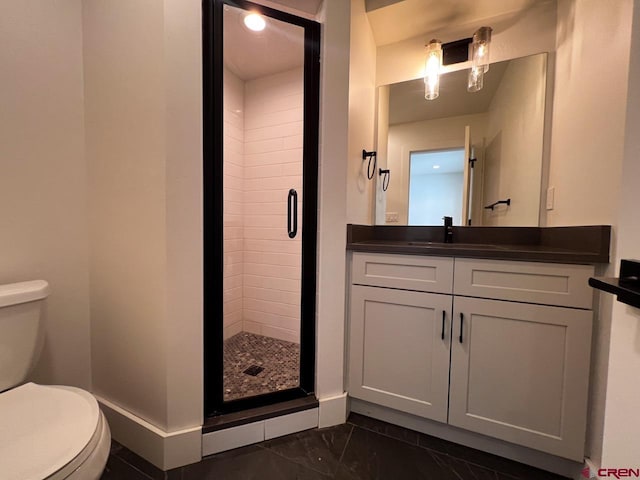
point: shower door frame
(213, 208)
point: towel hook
(371, 168)
(385, 179)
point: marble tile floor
(279, 359)
(361, 449)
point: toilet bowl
(46, 431)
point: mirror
(462, 153)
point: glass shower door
(267, 162)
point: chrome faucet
(448, 229)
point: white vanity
(488, 352)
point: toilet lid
(43, 428)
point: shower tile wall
(272, 165)
(263, 132)
(233, 205)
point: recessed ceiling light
(254, 22)
(436, 166)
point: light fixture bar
(456, 51)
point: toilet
(49, 432)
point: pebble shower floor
(279, 359)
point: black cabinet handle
(292, 213)
(442, 335)
(461, 323)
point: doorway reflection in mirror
(435, 186)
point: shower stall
(261, 74)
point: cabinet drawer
(407, 272)
(543, 283)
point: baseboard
(164, 450)
(333, 410)
(528, 456)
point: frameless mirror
(476, 157)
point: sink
(471, 246)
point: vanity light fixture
(479, 52)
(432, 70)
(474, 49)
(255, 22)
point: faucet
(448, 229)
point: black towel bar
(499, 202)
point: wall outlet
(551, 193)
(391, 217)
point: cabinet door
(520, 373)
(399, 349)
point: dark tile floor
(362, 449)
(279, 360)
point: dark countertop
(582, 244)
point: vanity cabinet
(502, 348)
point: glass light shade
(432, 70)
(475, 80)
(480, 48)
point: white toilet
(46, 432)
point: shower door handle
(292, 213)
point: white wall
(362, 103)
(272, 165)
(587, 141)
(126, 157)
(143, 142)
(233, 222)
(425, 135)
(43, 191)
(515, 127)
(588, 111)
(334, 96)
(621, 443)
(183, 143)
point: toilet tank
(21, 329)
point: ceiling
(248, 54)
(407, 103)
(308, 6)
(395, 20)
